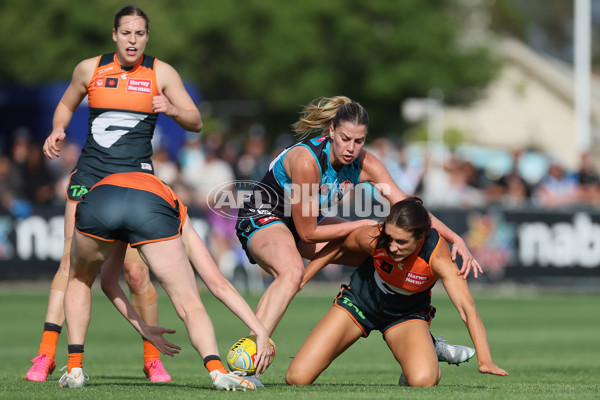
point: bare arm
(304, 173)
(223, 290)
(75, 93)
(173, 100)
(458, 292)
(110, 272)
(374, 171)
(321, 260)
(360, 240)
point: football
(242, 355)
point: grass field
(549, 344)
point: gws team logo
(228, 198)
(111, 83)
(109, 126)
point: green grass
(549, 344)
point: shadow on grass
(129, 381)
(382, 385)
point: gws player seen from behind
(139, 209)
(126, 91)
(391, 292)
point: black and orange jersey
(121, 121)
(387, 289)
(409, 276)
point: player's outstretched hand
(459, 247)
(154, 334)
(492, 369)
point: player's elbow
(197, 127)
(194, 122)
(190, 123)
(307, 237)
(107, 288)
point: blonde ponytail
(318, 115)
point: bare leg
(55, 313)
(87, 256)
(413, 348)
(169, 263)
(334, 333)
(144, 300)
(275, 251)
(143, 294)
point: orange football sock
(151, 353)
(213, 363)
(48, 344)
(75, 361)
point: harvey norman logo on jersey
(139, 85)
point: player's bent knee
(301, 374)
(422, 379)
(293, 277)
(295, 379)
(137, 277)
(189, 309)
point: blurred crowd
(526, 181)
(446, 179)
(480, 178)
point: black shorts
(368, 320)
(249, 223)
(133, 216)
